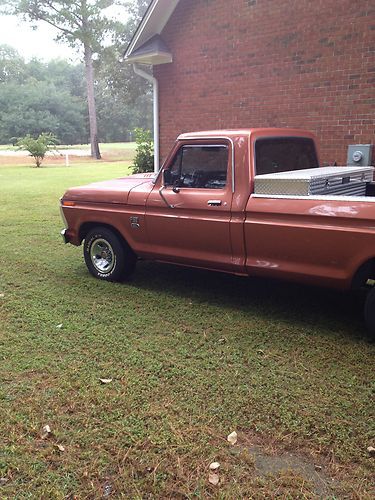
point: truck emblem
(134, 222)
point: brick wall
(250, 63)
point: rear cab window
(283, 154)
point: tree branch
(60, 28)
(58, 12)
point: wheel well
(88, 226)
(364, 273)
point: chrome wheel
(102, 255)
(108, 257)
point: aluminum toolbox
(339, 181)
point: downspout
(155, 87)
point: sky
(33, 43)
(40, 43)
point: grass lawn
(192, 355)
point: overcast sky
(33, 43)
(40, 42)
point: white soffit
(152, 52)
(152, 24)
(152, 59)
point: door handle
(214, 203)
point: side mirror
(167, 178)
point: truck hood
(112, 191)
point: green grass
(193, 356)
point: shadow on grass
(312, 308)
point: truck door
(189, 210)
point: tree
(79, 21)
(124, 99)
(118, 78)
(12, 66)
(41, 106)
(37, 147)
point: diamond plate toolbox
(339, 181)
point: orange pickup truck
(250, 202)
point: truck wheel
(370, 313)
(107, 257)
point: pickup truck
(202, 210)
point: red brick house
(255, 63)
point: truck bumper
(64, 235)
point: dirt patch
(266, 464)
(272, 458)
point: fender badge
(134, 222)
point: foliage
(12, 66)
(37, 97)
(37, 147)
(118, 77)
(37, 107)
(144, 157)
(124, 99)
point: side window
(203, 166)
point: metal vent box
(340, 181)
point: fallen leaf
(232, 438)
(60, 447)
(371, 451)
(59, 326)
(46, 431)
(213, 479)
(214, 466)
(3, 480)
(105, 380)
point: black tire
(370, 313)
(107, 256)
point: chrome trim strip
(63, 216)
(327, 197)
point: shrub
(144, 157)
(37, 147)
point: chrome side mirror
(176, 186)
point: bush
(37, 147)
(144, 157)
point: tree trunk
(89, 70)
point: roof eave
(153, 22)
(153, 58)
